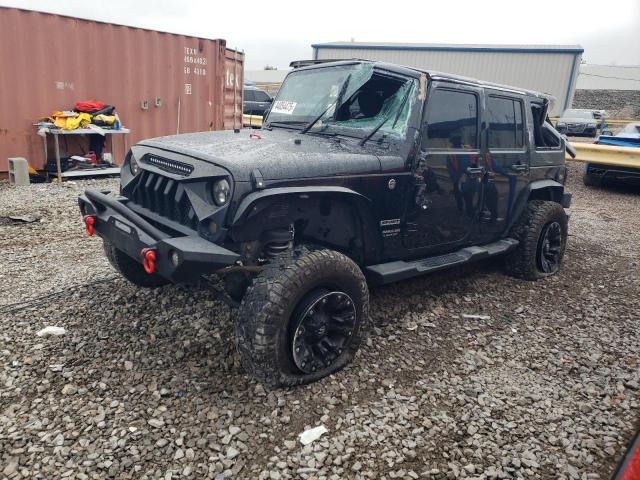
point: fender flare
(525, 194)
(258, 201)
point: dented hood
(274, 153)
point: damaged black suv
(363, 173)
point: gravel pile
(467, 374)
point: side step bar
(401, 270)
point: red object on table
(88, 106)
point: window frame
(536, 147)
(523, 117)
(454, 88)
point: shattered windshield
(349, 99)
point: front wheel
(303, 318)
(542, 232)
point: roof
(433, 75)
(453, 47)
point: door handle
(519, 167)
(475, 171)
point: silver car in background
(580, 122)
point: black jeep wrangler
(363, 173)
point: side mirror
(270, 100)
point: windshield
(577, 114)
(348, 99)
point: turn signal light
(89, 221)
(148, 260)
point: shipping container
(551, 69)
(160, 83)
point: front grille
(164, 196)
(171, 166)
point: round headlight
(133, 165)
(221, 192)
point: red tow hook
(148, 260)
(89, 221)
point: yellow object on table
(67, 121)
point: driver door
(448, 178)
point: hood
(274, 153)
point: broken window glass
(351, 100)
(306, 93)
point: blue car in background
(629, 136)
(595, 174)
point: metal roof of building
(453, 47)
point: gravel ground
(146, 384)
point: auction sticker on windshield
(283, 106)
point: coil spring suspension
(278, 241)
(276, 248)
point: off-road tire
(523, 261)
(591, 181)
(130, 269)
(264, 320)
(236, 284)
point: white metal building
(609, 77)
(550, 69)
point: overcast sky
(276, 33)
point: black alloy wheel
(303, 317)
(549, 248)
(541, 230)
(325, 322)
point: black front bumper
(130, 233)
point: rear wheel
(542, 232)
(303, 318)
(130, 269)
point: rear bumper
(130, 233)
(625, 175)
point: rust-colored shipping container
(48, 62)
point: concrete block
(18, 171)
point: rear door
(506, 160)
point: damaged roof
(434, 75)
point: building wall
(552, 73)
(609, 77)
